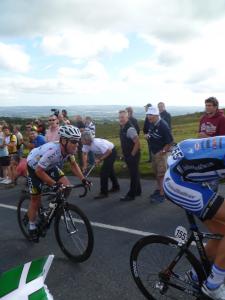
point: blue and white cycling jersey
(199, 160)
(193, 167)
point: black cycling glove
(86, 182)
(56, 187)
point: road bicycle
(159, 264)
(72, 228)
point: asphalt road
(106, 275)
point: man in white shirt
(106, 152)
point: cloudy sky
(68, 52)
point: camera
(55, 111)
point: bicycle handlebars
(49, 192)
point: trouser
(133, 168)
(91, 158)
(149, 151)
(107, 171)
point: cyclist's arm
(76, 170)
(85, 160)
(40, 172)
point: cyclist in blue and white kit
(195, 167)
(44, 166)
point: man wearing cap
(146, 128)
(161, 140)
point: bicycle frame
(196, 236)
(60, 199)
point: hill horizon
(97, 112)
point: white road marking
(100, 225)
(107, 226)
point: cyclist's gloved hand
(56, 187)
(87, 183)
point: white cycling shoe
(216, 294)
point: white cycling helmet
(69, 132)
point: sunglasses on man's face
(52, 120)
(73, 142)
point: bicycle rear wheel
(150, 259)
(74, 233)
(22, 216)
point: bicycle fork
(69, 218)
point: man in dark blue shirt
(161, 139)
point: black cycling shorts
(35, 183)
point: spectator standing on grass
(11, 142)
(212, 123)
(90, 126)
(52, 133)
(28, 127)
(130, 145)
(4, 158)
(41, 128)
(105, 153)
(164, 114)
(132, 119)
(146, 127)
(161, 140)
(36, 140)
(19, 137)
(63, 118)
(79, 123)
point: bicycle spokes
(73, 231)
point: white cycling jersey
(47, 157)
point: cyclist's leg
(217, 225)
(33, 207)
(211, 247)
(34, 185)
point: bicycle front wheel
(155, 275)
(74, 233)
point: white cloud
(83, 45)
(13, 58)
(93, 70)
(185, 38)
(169, 20)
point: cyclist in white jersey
(44, 166)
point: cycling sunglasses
(73, 142)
